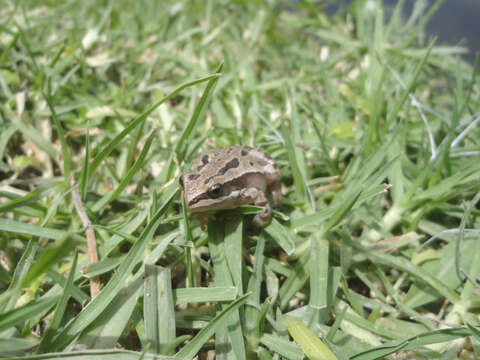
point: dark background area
(456, 22)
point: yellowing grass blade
(310, 344)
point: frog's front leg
(202, 219)
(276, 191)
(257, 197)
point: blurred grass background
(374, 251)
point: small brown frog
(225, 178)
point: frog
(225, 178)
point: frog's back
(223, 165)
(262, 161)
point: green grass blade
(233, 252)
(185, 138)
(79, 295)
(18, 227)
(281, 346)
(231, 331)
(32, 197)
(35, 135)
(294, 154)
(59, 310)
(26, 312)
(21, 271)
(474, 271)
(399, 104)
(419, 273)
(295, 281)
(252, 312)
(48, 259)
(442, 268)
(128, 177)
(103, 266)
(158, 308)
(281, 236)
(86, 165)
(67, 162)
(12, 346)
(318, 275)
(210, 294)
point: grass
(373, 252)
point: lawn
(374, 251)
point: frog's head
(215, 194)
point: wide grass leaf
(19, 227)
(205, 294)
(158, 307)
(231, 332)
(281, 235)
(26, 312)
(104, 332)
(282, 346)
(12, 346)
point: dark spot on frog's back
(244, 152)
(193, 176)
(232, 164)
(204, 162)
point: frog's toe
(262, 219)
(260, 222)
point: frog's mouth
(204, 202)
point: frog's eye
(215, 191)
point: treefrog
(225, 178)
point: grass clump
(374, 251)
